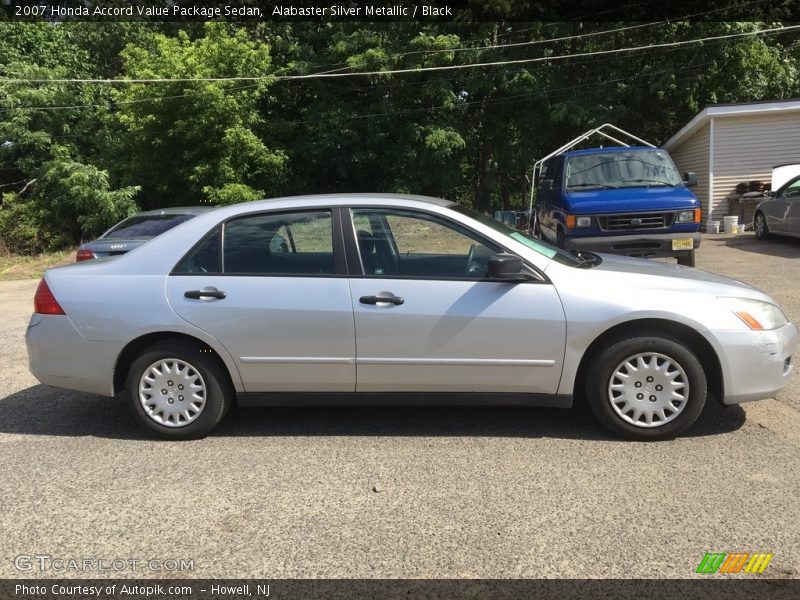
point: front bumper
(756, 364)
(643, 244)
(59, 356)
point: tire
(666, 361)
(760, 227)
(687, 260)
(560, 239)
(182, 366)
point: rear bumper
(757, 364)
(643, 245)
(59, 356)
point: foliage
(99, 152)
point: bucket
(731, 224)
(713, 227)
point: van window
(621, 169)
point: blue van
(624, 200)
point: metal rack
(537, 166)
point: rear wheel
(686, 260)
(646, 387)
(760, 226)
(178, 390)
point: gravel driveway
(400, 492)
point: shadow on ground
(776, 246)
(42, 410)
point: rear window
(146, 226)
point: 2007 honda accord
(398, 300)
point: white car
(398, 299)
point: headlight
(689, 216)
(756, 314)
(574, 221)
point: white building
(731, 144)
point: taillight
(84, 254)
(44, 302)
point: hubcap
(648, 389)
(172, 392)
(759, 225)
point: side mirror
(506, 267)
(690, 179)
(772, 193)
(545, 185)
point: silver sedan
(395, 300)
(780, 215)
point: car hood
(631, 199)
(655, 274)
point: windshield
(539, 246)
(621, 169)
(146, 226)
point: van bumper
(642, 245)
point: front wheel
(646, 387)
(760, 227)
(178, 390)
(561, 240)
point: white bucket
(731, 224)
(713, 227)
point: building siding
(747, 147)
(693, 155)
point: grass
(31, 267)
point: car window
(145, 226)
(205, 257)
(397, 243)
(792, 190)
(298, 243)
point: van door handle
(206, 292)
(382, 298)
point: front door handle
(206, 292)
(382, 298)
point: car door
(778, 213)
(790, 194)
(272, 288)
(427, 319)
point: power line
(542, 59)
(570, 37)
(504, 100)
(539, 42)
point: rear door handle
(382, 298)
(206, 292)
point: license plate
(683, 244)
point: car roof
(175, 210)
(608, 150)
(343, 199)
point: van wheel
(560, 238)
(686, 260)
(177, 390)
(646, 386)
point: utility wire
(541, 42)
(568, 37)
(542, 59)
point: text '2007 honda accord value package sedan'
(398, 300)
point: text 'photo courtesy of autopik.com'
(399, 299)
